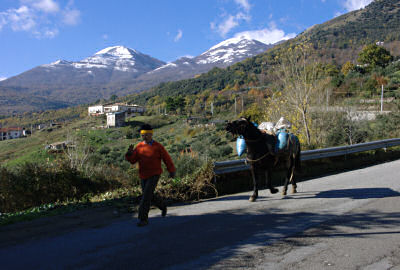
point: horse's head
(242, 126)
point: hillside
(341, 38)
(335, 42)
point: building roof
(10, 129)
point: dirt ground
(55, 225)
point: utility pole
(242, 104)
(382, 99)
(327, 99)
(235, 107)
(382, 81)
(212, 108)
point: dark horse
(262, 157)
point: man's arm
(167, 161)
(131, 155)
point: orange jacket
(149, 157)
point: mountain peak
(118, 51)
(234, 41)
(232, 50)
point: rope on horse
(255, 160)
(248, 140)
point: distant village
(116, 114)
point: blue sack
(282, 140)
(240, 145)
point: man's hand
(130, 150)
(172, 175)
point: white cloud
(244, 4)
(267, 36)
(21, 19)
(337, 14)
(41, 18)
(71, 16)
(178, 36)
(48, 6)
(2, 78)
(231, 21)
(50, 33)
(227, 25)
(351, 5)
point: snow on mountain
(117, 57)
(221, 55)
(119, 51)
(232, 50)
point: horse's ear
(248, 118)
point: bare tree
(78, 152)
(300, 77)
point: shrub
(31, 184)
(221, 151)
(195, 186)
(104, 150)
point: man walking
(149, 154)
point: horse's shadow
(358, 193)
(352, 193)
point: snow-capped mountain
(121, 71)
(221, 55)
(231, 51)
(120, 58)
(106, 66)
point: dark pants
(148, 197)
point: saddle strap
(255, 160)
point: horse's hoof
(274, 190)
(294, 191)
(252, 199)
(284, 192)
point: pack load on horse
(241, 144)
(265, 152)
(281, 132)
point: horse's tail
(297, 161)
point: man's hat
(146, 129)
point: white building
(96, 110)
(130, 110)
(10, 133)
(115, 119)
(115, 108)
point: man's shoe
(164, 211)
(142, 223)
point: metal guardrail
(232, 166)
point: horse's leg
(268, 177)
(255, 185)
(296, 162)
(292, 180)
(288, 177)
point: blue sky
(36, 32)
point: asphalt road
(344, 221)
